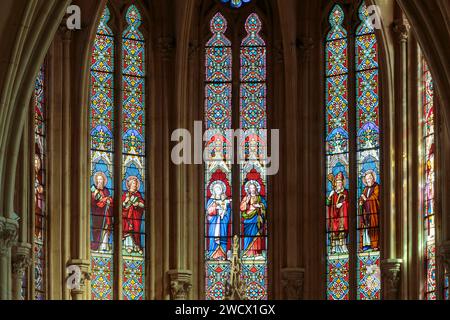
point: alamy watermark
(375, 18)
(73, 21)
(243, 147)
(73, 281)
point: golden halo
(138, 183)
(103, 175)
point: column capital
(401, 28)
(21, 259)
(78, 274)
(391, 276)
(180, 284)
(292, 280)
(9, 232)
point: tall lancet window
(40, 189)
(118, 166)
(253, 190)
(247, 203)
(429, 213)
(349, 244)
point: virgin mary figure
(218, 217)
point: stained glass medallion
(236, 3)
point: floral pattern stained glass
(40, 189)
(102, 161)
(337, 157)
(218, 179)
(368, 184)
(253, 178)
(133, 157)
(368, 160)
(429, 190)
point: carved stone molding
(292, 283)
(180, 284)
(401, 29)
(8, 234)
(391, 276)
(166, 47)
(21, 259)
(80, 274)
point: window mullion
(236, 84)
(118, 116)
(353, 172)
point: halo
(221, 184)
(255, 183)
(138, 183)
(103, 176)
(374, 175)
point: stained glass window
(368, 159)
(102, 128)
(251, 210)
(105, 160)
(253, 121)
(236, 3)
(428, 196)
(338, 203)
(40, 188)
(133, 158)
(337, 157)
(218, 176)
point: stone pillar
(391, 276)
(292, 283)
(399, 246)
(77, 280)
(180, 284)
(21, 261)
(8, 236)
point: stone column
(77, 279)
(399, 245)
(292, 283)
(180, 284)
(21, 261)
(391, 276)
(8, 236)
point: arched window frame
(35, 285)
(435, 277)
(348, 273)
(236, 18)
(118, 25)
